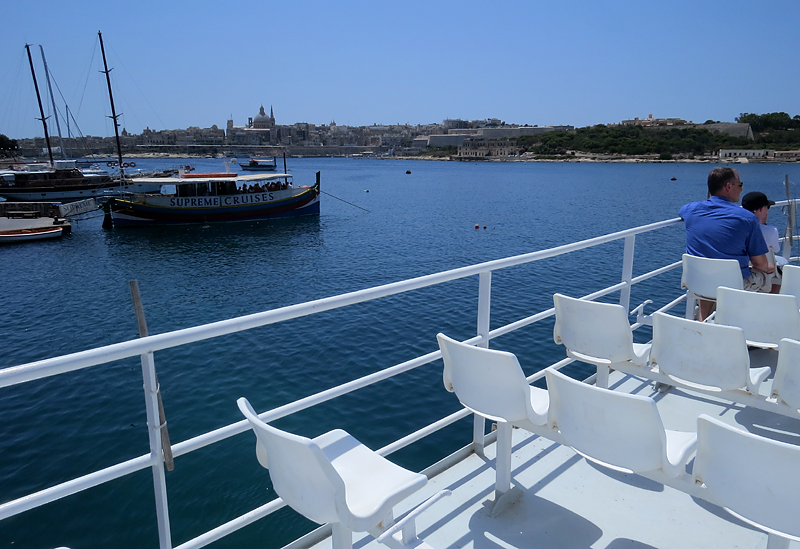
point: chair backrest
(301, 474)
(790, 281)
(595, 332)
(764, 318)
(488, 382)
(702, 276)
(786, 385)
(700, 354)
(752, 477)
(618, 430)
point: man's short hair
(718, 178)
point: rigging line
(136, 85)
(88, 74)
(346, 202)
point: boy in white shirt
(759, 204)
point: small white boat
(259, 165)
(24, 235)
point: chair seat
(540, 402)
(679, 445)
(373, 484)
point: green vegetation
(775, 130)
(771, 131)
(440, 152)
(7, 145)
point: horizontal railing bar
(231, 526)
(299, 405)
(49, 495)
(521, 323)
(422, 433)
(656, 272)
(83, 359)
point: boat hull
(144, 210)
(25, 235)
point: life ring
(125, 165)
(132, 164)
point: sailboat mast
(114, 114)
(41, 109)
(53, 100)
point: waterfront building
(475, 148)
(729, 154)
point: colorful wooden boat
(217, 198)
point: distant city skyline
(182, 64)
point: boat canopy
(248, 178)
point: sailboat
(61, 180)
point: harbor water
(379, 224)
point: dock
(25, 216)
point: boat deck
(570, 502)
(12, 224)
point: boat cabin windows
(229, 187)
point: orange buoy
(477, 226)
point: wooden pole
(142, 323)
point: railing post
(627, 272)
(154, 433)
(484, 308)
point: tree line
(771, 131)
(7, 145)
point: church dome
(261, 116)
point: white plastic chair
(596, 333)
(753, 478)
(764, 318)
(620, 431)
(706, 356)
(492, 384)
(786, 385)
(702, 276)
(790, 281)
(332, 478)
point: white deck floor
(569, 502)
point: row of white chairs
(624, 432)
(702, 276)
(711, 358)
(337, 480)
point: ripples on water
(69, 295)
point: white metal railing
(146, 346)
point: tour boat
(202, 198)
(651, 450)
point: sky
(177, 64)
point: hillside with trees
(771, 131)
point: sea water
(379, 224)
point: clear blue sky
(180, 64)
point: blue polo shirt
(719, 229)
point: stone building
(474, 148)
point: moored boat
(259, 165)
(24, 235)
(64, 183)
(201, 198)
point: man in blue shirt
(718, 228)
